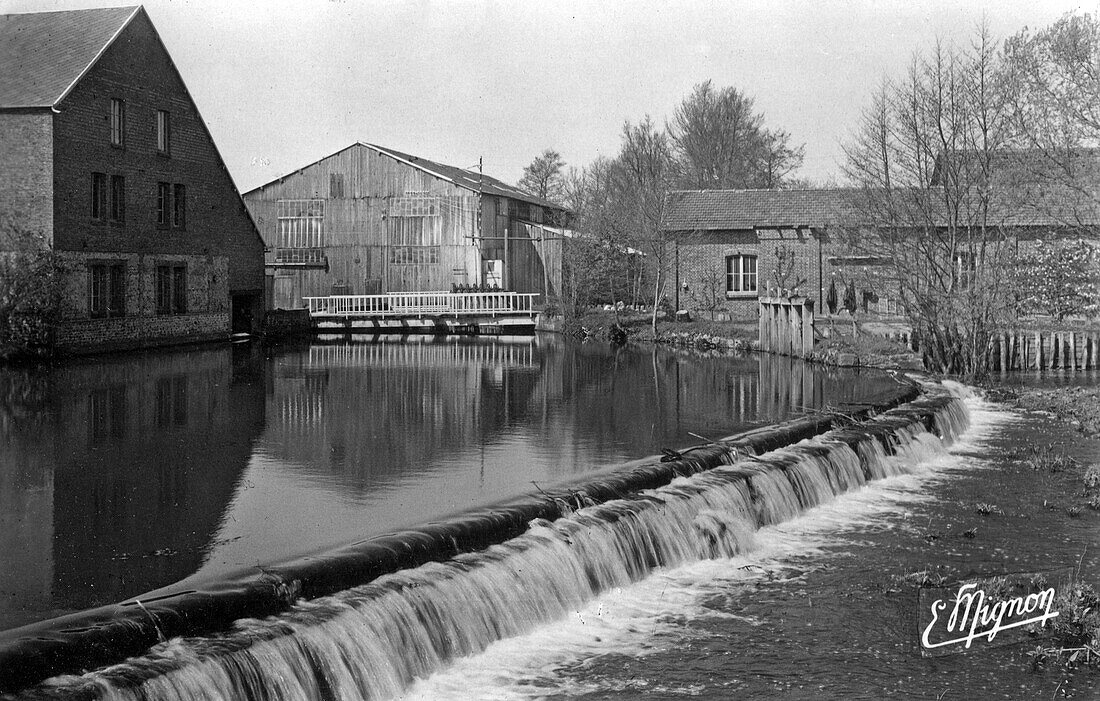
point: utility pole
(479, 273)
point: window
(414, 221)
(301, 223)
(171, 205)
(336, 185)
(107, 290)
(164, 203)
(414, 204)
(179, 205)
(99, 196)
(414, 255)
(740, 274)
(118, 198)
(965, 268)
(164, 132)
(171, 289)
(118, 122)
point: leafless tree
(543, 177)
(922, 159)
(640, 179)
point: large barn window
(740, 274)
(414, 255)
(415, 227)
(414, 204)
(301, 223)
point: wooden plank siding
(371, 228)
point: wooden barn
(370, 220)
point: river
(126, 473)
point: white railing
(421, 303)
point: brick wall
(26, 171)
(702, 257)
(137, 69)
(207, 316)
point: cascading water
(373, 641)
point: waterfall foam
(372, 641)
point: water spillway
(445, 591)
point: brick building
(730, 246)
(107, 159)
(369, 220)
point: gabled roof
(718, 210)
(708, 210)
(462, 177)
(43, 54)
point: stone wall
(207, 314)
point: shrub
(30, 296)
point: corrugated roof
(464, 177)
(42, 54)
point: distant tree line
(716, 139)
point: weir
(364, 621)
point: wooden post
(808, 323)
(1038, 350)
(763, 330)
(1072, 350)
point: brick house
(371, 220)
(107, 160)
(730, 246)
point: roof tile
(43, 53)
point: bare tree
(709, 292)
(543, 177)
(923, 162)
(640, 179)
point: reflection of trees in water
(370, 413)
(374, 413)
(131, 467)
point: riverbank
(1078, 406)
(843, 348)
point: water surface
(122, 474)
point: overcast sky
(282, 84)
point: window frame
(170, 289)
(300, 223)
(738, 277)
(164, 132)
(164, 204)
(112, 292)
(118, 122)
(99, 196)
(179, 206)
(117, 212)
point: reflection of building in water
(371, 412)
(131, 470)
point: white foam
(633, 620)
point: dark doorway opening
(243, 313)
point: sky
(282, 84)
